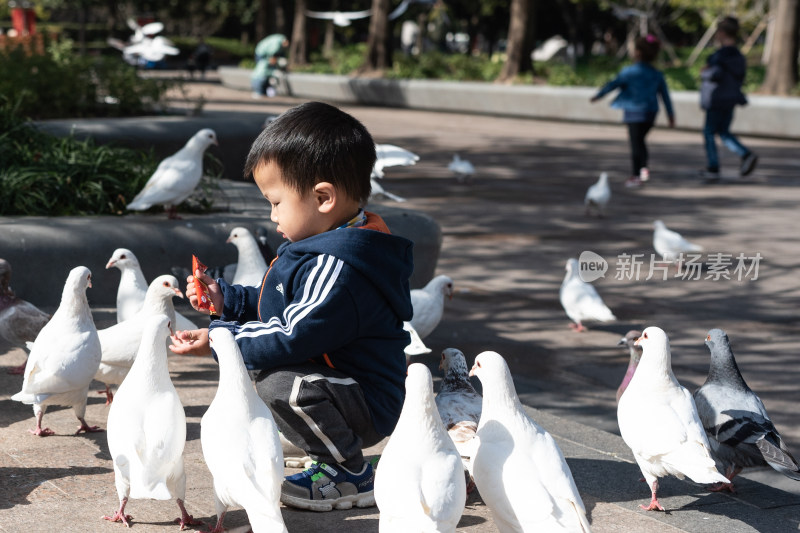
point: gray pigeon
(629, 340)
(739, 430)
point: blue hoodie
(339, 298)
(721, 86)
(639, 84)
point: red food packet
(203, 299)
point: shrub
(60, 83)
(41, 174)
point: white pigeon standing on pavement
(635, 353)
(20, 321)
(580, 299)
(597, 196)
(240, 443)
(120, 342)
(64, 356)
(735, 420)
(419, 484)
(176, 176)
(389, 155)
(147, 429)
(462, 168)
(671, 244)
(658, 421)
(133, 288)
(518, 467)
(459, 404)
(428, 304)
(251, 266)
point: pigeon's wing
(389, 155)
(54, 367)
(650, 429)
(120, 342)
(443, 490)
(175, 178)
(22, 322)
(526, 492)
(263, 466)
(415, 346)
(777, 455)
(164, 432)
(582, 302)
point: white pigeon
(459, 404)
(736, 422)
(64, 356)
(20, 321)
(389, 155)
(147, 429)
(580, 299)
(428, 304)
(133, 287)
(518, 467)
(658, 421)
(250, 267)
(240, 443)
(462, 168)
(340, 18)
(597, 196)
(415, 346)
(419, 483)
(176, 176)
(120, 342)
(671, 244)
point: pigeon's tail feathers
(694, 247)
(580, 513)
(263, 521)
(29, 398)
(138, 204)
(150, 488)
(778, 457)
(695, 462)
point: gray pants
(321, 411)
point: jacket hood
(386, 260)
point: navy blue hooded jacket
(721, 81)
(339, 298)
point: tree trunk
(265, 19)
(377, 59)
(297, 49)
(781, 75)
(517, 48)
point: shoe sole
(749, 168)
(365, 499)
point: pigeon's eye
(478, 364)
(166, 283)
(123, 256)
(708, 338)
(645, 335)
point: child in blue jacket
(720, 91)
(325, 328)
(640, 84)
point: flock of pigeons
(444, 445)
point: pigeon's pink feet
(17, 370)
(186, 519)
(42, 432)
(119, 516)
(172, 213)
(84, 427)
(653, 499)
(218, 527)
(108, 393)
(577, 327)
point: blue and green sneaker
(324, 487)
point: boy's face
(297, 215)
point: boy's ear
(325, 193)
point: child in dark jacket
(720, 91)
(640, 85)
(325, 328)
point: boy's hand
(214, 292)
(194, 342)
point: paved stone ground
(507, 235)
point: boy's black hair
(316, 142)
(729, 26)
(648, 46)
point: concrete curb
(771, 116)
